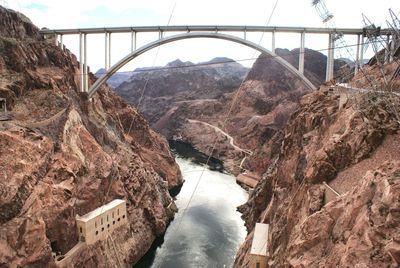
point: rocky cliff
(62, 155)
(158, 89)
(350, 140)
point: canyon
(191, 102)
(63, 155)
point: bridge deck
(208, 28)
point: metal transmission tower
(380, 46)
(394, 46)
(335, 39)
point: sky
(55, 14)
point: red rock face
(350, 141)
(62, 155)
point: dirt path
(231, 140)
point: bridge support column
(107, 51)
(330, 59)
(133, 41)
(85, 66)
(357, 63)
(273, 42)
(81, 72)
(61, 42)
(301, 54)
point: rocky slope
(62, 155)
(351, 141)
(261, 106)
(179, 81)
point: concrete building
(258, 252)
(97, 224)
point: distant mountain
(115, 80)
(180, 81)
(315, 64)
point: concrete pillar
(160, 34)
(61, 42)
(106, 51)
(245, 34)
(330, 60)
(273, 42)
(133, 41)
(81, 72)
(109, 50)
(357, 63)
(85, 66)
(301, 54)
(56, 39)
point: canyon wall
(62, 155)
(349, 140)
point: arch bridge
(216, 32)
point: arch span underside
(101, 80)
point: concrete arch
(101, 80)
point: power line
(234, 101)
(265, 56)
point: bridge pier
(81, 61)
(133, 41)
(330, 59)
(61, 42)
(273, 42)
(107, 50)
(356, 65)
(301, 54)
(83, 67)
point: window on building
(257, 265)
(108, 225)
(119, 219)
(123, 216)
(107, 217)
(117, 211)
(113, 214)
(97, 232)
(101, 221)
(95, 224)
(113, 222)
(102, 229)
(80, 229)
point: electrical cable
(236, 97)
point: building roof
(260, 240)
(98, 211)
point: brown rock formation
(349, 140)
(62, 155)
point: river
(208, 232)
